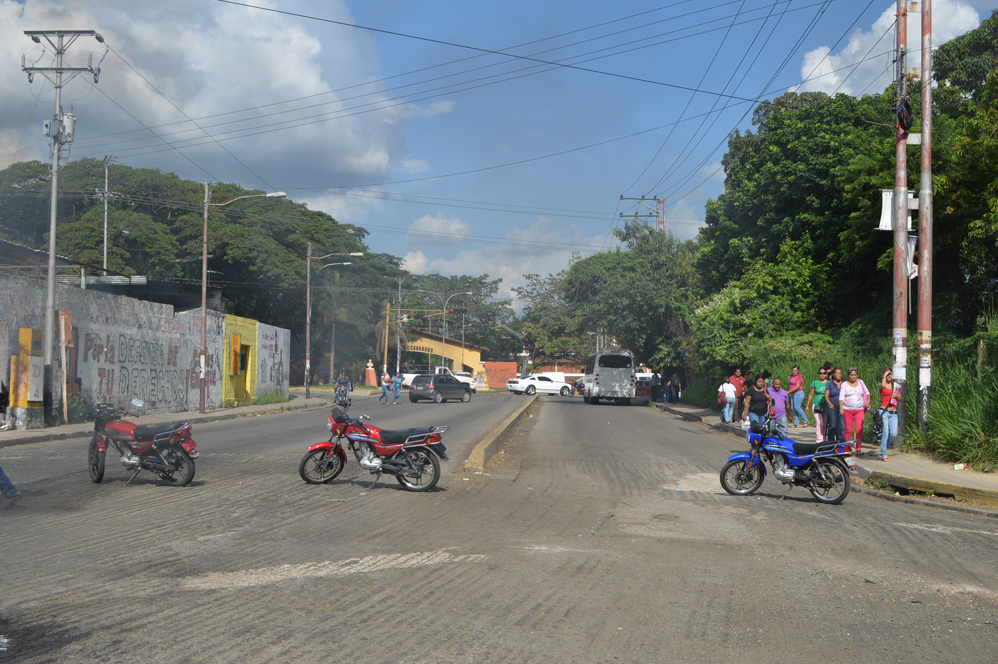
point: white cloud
(211, 60)
(543, 247)
(836, 73)
(437, 230)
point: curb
(489, 445)
(959, 492)
(88, 430)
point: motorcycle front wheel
(739, 480)
(830, 481)
(425, 472)
(95, 461)
(181, 466)
(320, 466)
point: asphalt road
(605, 537)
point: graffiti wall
(124, 348)
(272, 359)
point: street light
(204, 278)
(308, 311)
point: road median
(490, 445)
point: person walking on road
(9, 494)
(396, 389)
(854, 399)
(756, 402)
(780, 403)
(889, 410)
(675, 387)
(727, 392)
(816, 400)
(796, 393)
(386, 385)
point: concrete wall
(124, 347)
(239, 379)
(273, 354)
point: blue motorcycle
(823, 469)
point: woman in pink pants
(854, 399)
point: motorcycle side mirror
(137, 403)
(365, 416)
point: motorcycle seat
(801, 449)
(399, 436)
(150, 433)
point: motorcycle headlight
(329, 425)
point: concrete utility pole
(925, 230)
(108, 160)
(658, 212)
(900, 336)
(60, 130)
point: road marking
(264, 575)
(945, 530)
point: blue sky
(470, 138)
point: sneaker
(7, 503)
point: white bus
(609, 375)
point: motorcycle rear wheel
(833, 491)
(320, 466)
(738, 481)
(427, 472)
(182, 464)
(95, 461)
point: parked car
(438, 388)
(536, 383)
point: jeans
(385, 393)
(7, 488)
(890, 431)
(781, 425)
(756, 419)
(797, 405)
(820, 422)
(729, 410)
(835, 432)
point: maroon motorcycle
(411, 455)
(167, 450)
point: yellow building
(241, 347)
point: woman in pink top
(797, 397)
(854, 399)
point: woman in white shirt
(727, 392)
(854, 399)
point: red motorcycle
(411, 455)
(167, 450)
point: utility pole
(925, 230)
(900, 336)
(60, 130)
(657, 212)
(108, 160)
(308, 320)
(398, 331)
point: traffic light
(456, 311)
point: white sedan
(543, 384)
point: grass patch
(274, 396)
(880, 483)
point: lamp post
(308, 311)
(204, 278)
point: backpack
(878, 423)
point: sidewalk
(86, 429)
(915, 472)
